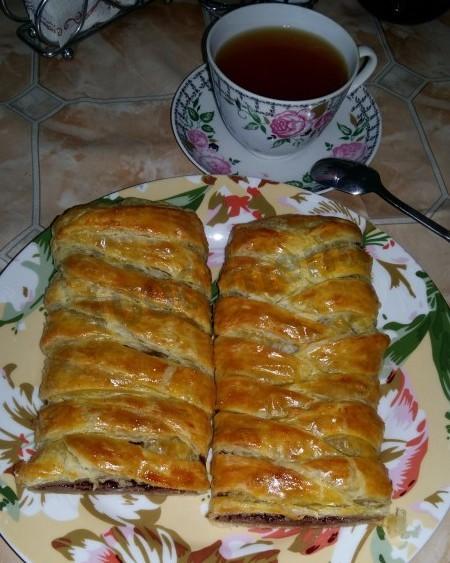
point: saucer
(354, 133)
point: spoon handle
(420, 217)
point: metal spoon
(358, 179)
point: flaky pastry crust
(127, 383)
(297, 355)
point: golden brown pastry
(127, 383)
(296, 434)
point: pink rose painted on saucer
(350, 151)
(290, 123)
(211, 161)
(197, 138)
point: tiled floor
(73, 131)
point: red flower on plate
(306, 541)
(406, 432)
(235, 203)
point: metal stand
(31, 31)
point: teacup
(278, 127)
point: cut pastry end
(90, 463)
(267, 520)
(319, 492)
(229, 510)
(106, 486)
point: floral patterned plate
(354, 133)
(49, 528)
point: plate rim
(196, 179)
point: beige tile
(88, 150)
(134, 56)
(16, 194)
(15, 61)
(442, 215)
(424, 47)
(353, 17)
(433, 107)
(36, 103)
(401, 160)
(401, 81)
(429, 250)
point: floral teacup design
(271, 127)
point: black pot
(406, 11)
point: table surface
(74, 131)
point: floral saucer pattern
(130, 528)
(354, 133)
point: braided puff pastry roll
(297, 436)
(127, 384)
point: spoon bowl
(358, 179)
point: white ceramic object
(131, 528)
(354, 133)
(278, 128)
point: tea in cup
(280, 73)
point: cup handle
(365, 71)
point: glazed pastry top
(127, 383)
(296, 434)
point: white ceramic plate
(47, 528)
(354, 133)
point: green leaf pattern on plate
(436, 322)
(188, 200)
(9, 501)
(33, 267)
(424, 312)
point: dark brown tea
(283, 63)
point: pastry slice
(127, 383)
(297, 355)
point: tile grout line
(127, 99)
(34, 133)
(389, 66)
(391, 92)
(33, 228)
(437, 204)
(418, 90)
(414, 72)
(412, 110)
(384, 42)
(12, 242)
(35, 171)
(35, 168)
(408, 100)
(428, 150)
(444, 195)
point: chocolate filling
(279, 519)
(105, 487)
